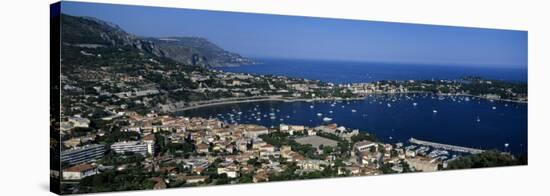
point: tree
(485, 159)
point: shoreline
(280, 98)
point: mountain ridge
(89, 32)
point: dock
(446, 146)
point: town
(162, 151)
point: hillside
(84, 38)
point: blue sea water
(457, 121)
(472, 123)
(348, 72)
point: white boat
(353, 110)
(435, 111)
(389, 105)
(330, 111)
(494, 108)
(415, 104)
(327, 119)
(319, 114)
(311, 106)
(478, 120)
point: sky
(277, 36)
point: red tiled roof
(150, 137)
(79, 168)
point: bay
(457, 120)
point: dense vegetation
(487, 159)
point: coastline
(283, 99)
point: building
(136, 147)
(253, 131)
(231, 171)
(202, 148)
(77, 121)
(353, 170)
(150, 141)
(312, 165)
(192, 179)
(410, 153)
(364, 146)
(83, 154)
(78, 172)
(290, 129)
(423, 164)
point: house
(253, 131)
(353, 170)
(330, 128)
(198, 170)
(423, 164)
(311, 132)
(312, 165)
(410, 153)
(202, 148)
(296, 157)
(265, 154)
(290, 129)
(285, 151)
(268, 148)
(257, 143)
(78, 172)
(191, 179)
(72, 143)
(231, 171)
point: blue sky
(261, 35)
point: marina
(445, 146)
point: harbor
(446, 146)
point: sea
(352, 72)
(456, 120)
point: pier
(446, 146)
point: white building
(78, 172)
(364, 146)
(230, 171)
(131, 146)
(83, 154)
(77, 121)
